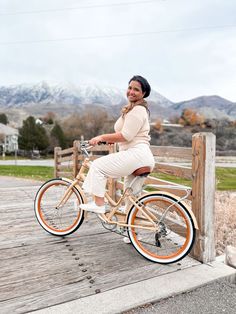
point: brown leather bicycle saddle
(142, 171)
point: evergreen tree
(32, 136)
(42, 137)
(58, 136)
(3, 118)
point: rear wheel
(62, 220)
(172, 235)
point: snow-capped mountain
(21, 95)
(20, 101)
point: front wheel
(170, 238)
(58, 220)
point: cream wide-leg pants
(121, 164)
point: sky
(185, 48)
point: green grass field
(225, 177)
(30, 172)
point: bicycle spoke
(60, 220)
(174, 232)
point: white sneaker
(93, 207)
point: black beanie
(146, 88)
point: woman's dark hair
(146, 88)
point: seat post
(140, 173)
(132, 182)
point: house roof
(7, 130)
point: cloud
(179, 64)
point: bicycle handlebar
(85, 146)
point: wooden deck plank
(38, 270)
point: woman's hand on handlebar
(97, 140)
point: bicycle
(160, 226)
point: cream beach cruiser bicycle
(160, 226)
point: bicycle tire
(175, 233)
(60, 221)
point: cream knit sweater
(134, 127)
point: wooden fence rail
(202, 174)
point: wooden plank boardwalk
(38, 270)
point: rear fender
(173, 197)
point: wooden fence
(202, 174)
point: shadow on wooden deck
(38, 270)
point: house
(38, 121)
(8, 138)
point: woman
(132, 134)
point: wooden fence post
(203, 195)
(56, 162)
(75, 158)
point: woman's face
(134, 91)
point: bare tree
(90, 123)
